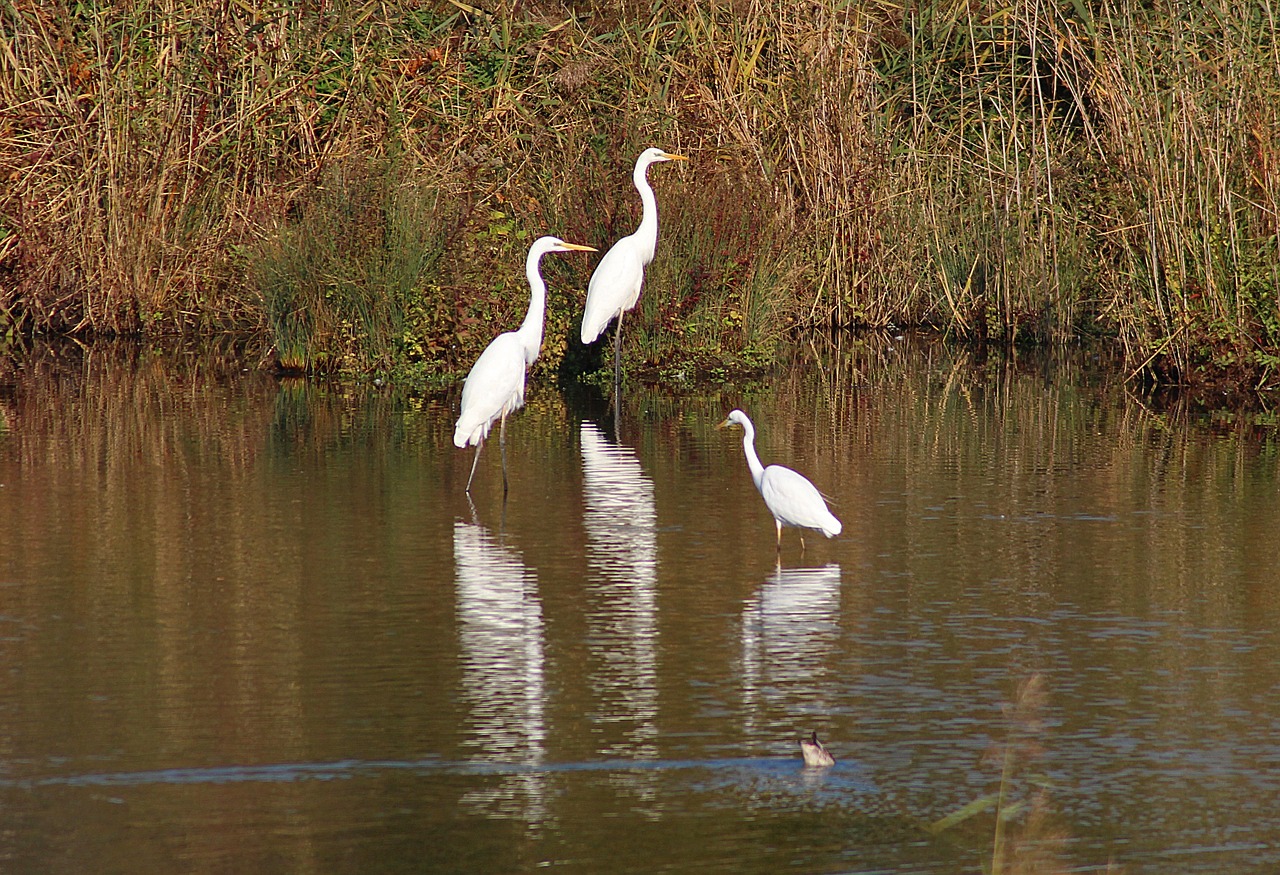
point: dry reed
(1028, 172)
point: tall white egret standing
(615, 284)
(789, 495)
(495, 385)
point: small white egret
(495, 385)
(790, 497)
(815, 755)
(615, 284)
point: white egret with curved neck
(495, 385)
(789, 495)
(615, 284)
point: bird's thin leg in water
(779, 537)
(617, 360)
(502, 442)
(479, 444)
(802, 543)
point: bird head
(737, 417)
(654, 155)
(556, 244)
(561, 246)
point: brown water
(252, 627)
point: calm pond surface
(258, 627)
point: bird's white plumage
(494, 387)
(616, 282)
(614, 287)
(796, 502)
(788, 494)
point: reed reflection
(622, 552)
(502, 657)
(790, 633)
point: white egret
(495, 385)
(615, 284)
(790, 497)
(815, 755)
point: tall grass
(1190, 101)
(143, 143)
(1033, 171)
(339, 281)
(984, 116)
(1093, 168)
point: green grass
(341, 281)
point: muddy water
(250, 626)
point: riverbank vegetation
(358, 182)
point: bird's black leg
(479, 444)
(617, 360)
(502, 442)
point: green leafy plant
(338, 280)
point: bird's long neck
(647, 233)
(749, 447)
(530, 331)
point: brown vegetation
(1034, 172)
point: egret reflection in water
(622, 553)
(790, 633)
(502, 644)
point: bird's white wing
(614, 287)
(795, 501)
(495, 386)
